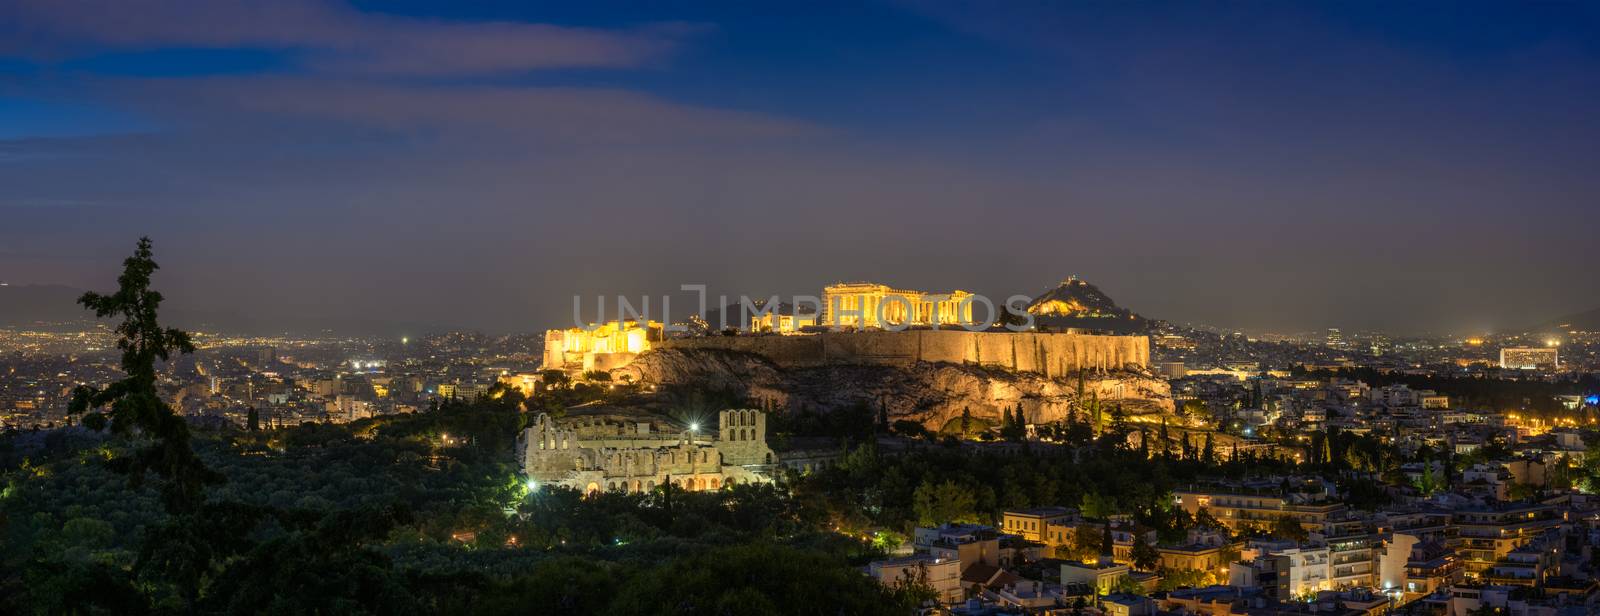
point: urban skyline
(899, 308)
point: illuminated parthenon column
(858, 304)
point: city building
(1123, 604)
(1101, 576)
(975, 545)
(1529, 358)
(1204, 551)
(1247, 510)
(1429, 567)
(1287, 570)
(943, 575)
(1352, 553)
(462, 391)
(524, 382)
(1035, 524)
(1530, 563)
(1487, 534)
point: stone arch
(592, 489)
(712, 483)
(611, 486)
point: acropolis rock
(802, 372)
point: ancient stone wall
(742, 437)
(1053, 355)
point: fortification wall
(1054, 355)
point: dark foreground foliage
(380, 517)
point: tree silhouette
(1145, 556)
(132, 405)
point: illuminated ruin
(607, 346)
(861, 304)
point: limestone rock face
(928, 393)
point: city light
(1061, 453)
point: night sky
(1408, 166)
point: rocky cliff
(1053, 354)
(929, 393)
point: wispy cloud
(520, 113)
(326, 36)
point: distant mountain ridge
(33, 304)
(1583, 321)
(44, 306)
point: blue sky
(1283, 165)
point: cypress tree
(1166, 450)
(133, 404)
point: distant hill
(1584, 321)
(35, 304)
(1077, 304)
